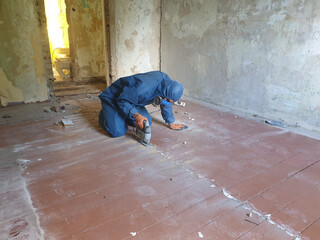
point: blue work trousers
(114, 121)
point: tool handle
(145, 124)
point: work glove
(177, 127)
(139, 120)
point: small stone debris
(58, 109)
(92, 97)
(275, 123)
(6, 116)
(249, 214)
(186, 113)
(184, 142)
(297, 125)
(23, 163)
(46, 109)
(58, 123)
(66, 122)
(200, 235)
(235, 117)
(55, 109)
(190, 118)
(133, 234)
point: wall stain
(130, 44)
(8, 92)
(23, 50)
(184, 10)
(137, 36)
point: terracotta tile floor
(225, 177)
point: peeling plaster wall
(257, 56)
(136, 36)
(24, 52)
(86, 37)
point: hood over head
(171, 89)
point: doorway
(77, 38)
(57, 27)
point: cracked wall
(24, 53)
(260, 57)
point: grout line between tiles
(245, 204)
(283, 180)
(29, 200)
(143, 208)
(318, 219)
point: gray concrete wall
(135, 36)
(257, 56)
(25, 67)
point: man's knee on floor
(117, 132)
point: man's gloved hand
(139, 120)
(177, 127)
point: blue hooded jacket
(127, 93)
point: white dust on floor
(18, 218)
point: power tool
(144, 135)
(159, 100)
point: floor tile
(201, 182)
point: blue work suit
(129, 95)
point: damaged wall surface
(86, 37)
(137, 36)
(24, 52)
(259, 56)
